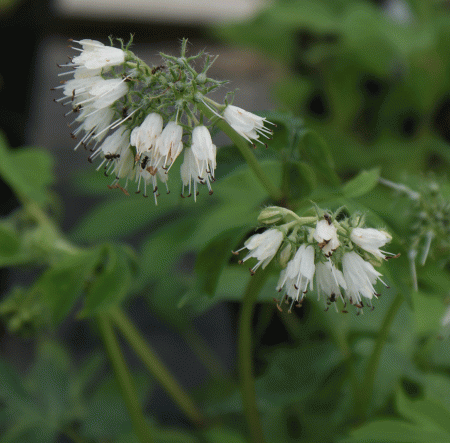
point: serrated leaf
(363, 183)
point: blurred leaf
(213, 257)
(41, 407)
(27, 171)
(363, 183)
(105, 412)
(219, 435)
(314, 149)
(112, 281)
(62, 283)
(122, 216)
(428, 312)
(394, 431)
(426, 413)
(294, 374)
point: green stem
(125, 380)
(155, 366)
(243, 146)
(374, 359)
(245, 356)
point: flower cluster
(138, 120)
(339, 257)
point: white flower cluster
(138, 120)
(339, 257)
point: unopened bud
(285, 255)
(271, 214)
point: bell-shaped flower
(263, 247)
(360, 277)
(168, 145)
(204, 150)
(371, 240)
(144, 136)
(191, 175)
(329, 280)
(248, 125)
(95, 55)
(298, 274)
(326, 235)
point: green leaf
(315, 151)
(105, 412)
(426, 413)
(112, 282)
(61, 284)
(122, 216)
(213, 257)
(14, 249)
(428, 312)
(363, 183)
(219, 435)
(295, 374)
(394, 431)
(28, 172)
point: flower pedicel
(338, 257)
(138, 120)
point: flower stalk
(245, 357)
(124, 379)
(155, 366)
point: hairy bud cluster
(338, 256)
(138, 119)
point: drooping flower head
(320, 246)
(160, 109)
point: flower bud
(271, 214)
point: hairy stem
(124, 380)
(155, 366)
(245, 357)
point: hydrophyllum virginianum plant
(138, 119)
(341, 255)
(429, 220)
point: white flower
(246, 124)
(263, 247)
(150, 174)
(329, 280)
(298, 274)
(204, 150)
(93, 122)
(144, 136)
(105, 92)
(370, 240)
(326, 235)
(95, 55)
(191, 175)
(168, 145)
(199, 161)
(112, 148)
(360, 277)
